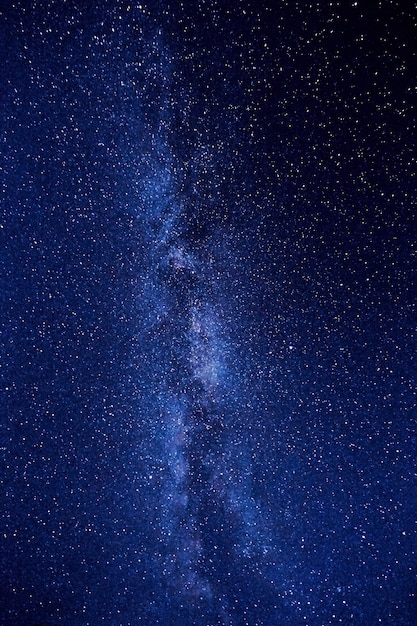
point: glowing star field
(208, 313)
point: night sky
(208, 323)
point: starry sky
(208, 325)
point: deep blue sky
(208, 325)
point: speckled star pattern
(208, 323)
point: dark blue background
(208, 323)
